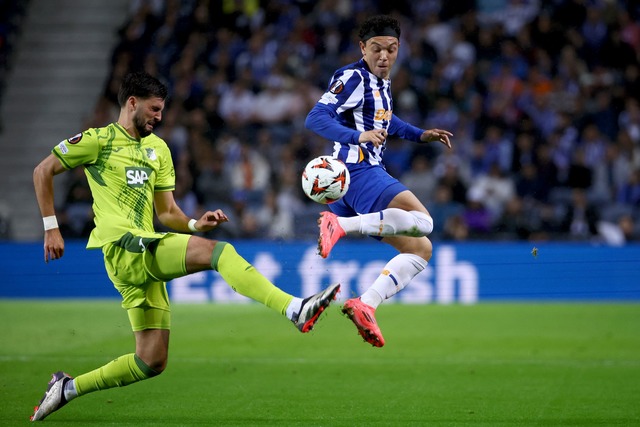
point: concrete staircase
(59, 70)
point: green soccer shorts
(139, 267)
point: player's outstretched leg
(330, 232)
(363, 316)
(53, 398)
(313, 306)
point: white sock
(293, 309)
(70, 391)
(394, 277)
(389, 222)
(350, 224)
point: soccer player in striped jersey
(131, 175)
(356, 113)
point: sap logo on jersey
(137, 176)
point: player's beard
(141, 126)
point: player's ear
(362, 46)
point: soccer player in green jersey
(130, 173)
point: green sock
(246, 280)
(120, 372)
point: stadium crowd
(542, 98)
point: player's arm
(43, 183)
(170, 215)
(322, 120)
(409, 132)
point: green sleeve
(81, 149)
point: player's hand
(432, 135)
(210, 220)
(375, 136)
(53, 244)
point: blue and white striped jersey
(357, 101)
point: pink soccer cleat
(330, 233)
(362, 315)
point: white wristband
(192, 225)
(50, 222)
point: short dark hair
(141, 85)
(379, 25)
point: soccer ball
(325, 179)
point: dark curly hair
(380, 25)
(141, 85)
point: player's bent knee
(159, 368)
(424, 222)
(419, 246)
(422, 248)
(426, 250)
(157, 365)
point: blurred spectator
(629, 119)
(616, 52)
(420, 179)
(517, 221)
(444, 115)
(629, 29)
(476, 215)
(78, 215)
(498, 150)
(543, 113)
(185, 196)
(530, 184)
(524, 151)
(547, 172)
(449, 175)
(406, 101)
(236, 103)
(594, 34)
(250, 175)
(581, 219)
(603, 114)
(213, 183)
(494, 189)
(274, 220)
(630, 227)
(442, 207)
(259, 57)
(275, 106)
(629, 191)
(594, 145)
(547, 34)
(456, 229)
(562, 145)
(579, 174)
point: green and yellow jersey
(123, 174)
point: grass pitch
(243, 365)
